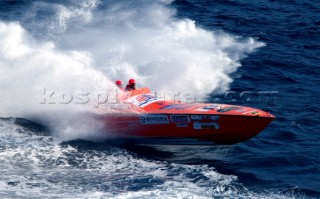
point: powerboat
(143, 116)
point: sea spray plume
(28, 67)
(144, 40)
(35, 74)
(57, 16)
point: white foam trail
(42, 166)
(83, 46)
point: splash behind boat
(147, 117)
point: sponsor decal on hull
(182, 124)
(168, 107)
(177, 106)
(180, 118)
(154, 119)
(205, 125)
(143, 99)
(205, 117)
(211, 125)
(197, 125)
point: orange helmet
(118, 82)
(132, 81)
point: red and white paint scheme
(142, 115)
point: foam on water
(42, 166)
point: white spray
(83, 47)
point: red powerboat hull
(147, 116)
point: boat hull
(222, 129)
(141, 114)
